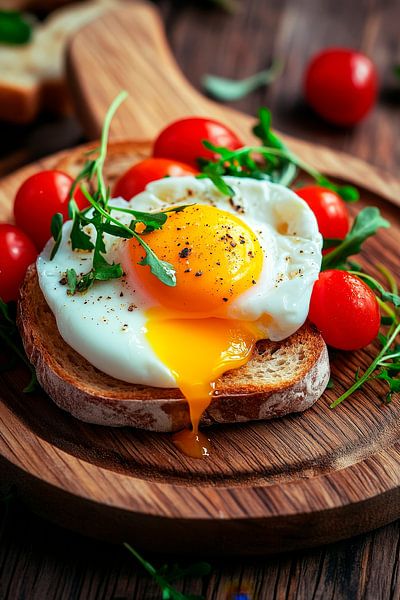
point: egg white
(107, 324)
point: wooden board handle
(127, 49)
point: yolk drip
(217, 257)
(197, 352)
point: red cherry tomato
(329, 209)
(17, 252)
(182, 140)
(341, 85)
(39, 198)
(137, 177)
(345, 310)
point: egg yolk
(217, 257)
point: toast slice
(280, 378)
(32, 76)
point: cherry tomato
(329, 209)
(39, 198)
(182, 140)
(345, 310)
(137, 177)
(17, 252)
(341, 85)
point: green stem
(370, 369)
(104, 141)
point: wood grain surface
(269, 486)
(38, 560)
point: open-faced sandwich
(176, 294)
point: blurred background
(233, 39)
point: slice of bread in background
(280, 378)
(32, 75)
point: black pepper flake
(233, 244)
(254, 282)
(198, 274)
(225, 299)
(131, 307)
(185, 252)
(63, 280)
(187, 270)
(121, 294)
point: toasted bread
(32, 75)
(280, 378)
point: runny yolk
(198, 351)
(217, 257)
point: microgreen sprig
(99, 217)
(278, 164)
(165, 576)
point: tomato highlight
(341, 85)
(135, 179)
(183, 140)
(17, 252)
(345, 310)
(39, 198)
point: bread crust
(280, 378)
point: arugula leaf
(393, 382)
(56, 232)
(365, 225)
(272, 161)
(15, 29)
(163, 270)
(80, 240)
(72, 280)
(103, 270)
(234, 89)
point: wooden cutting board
(294, 482)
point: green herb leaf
(396, 70)
(15, 29)
(56, 232)
(348, 193)
(103, 270)
(72, 279)
(330, 243)
(365, 225)
(165, 576)
(384, 355)
(80, 240)
(231, 89)
(163, 270)
(393, 383)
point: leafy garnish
(381, 360)
(396, 70)
(365, 225)
(90, 225)
(56, 232)
(15, 29)
(272, 161)
(9, 335)
(235, 89)
(165, 576)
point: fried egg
(245, 267)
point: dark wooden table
(40, 561)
